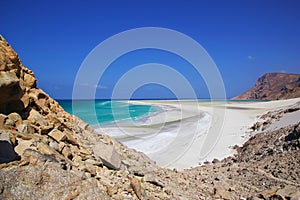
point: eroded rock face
(15, 80)
(274, 86)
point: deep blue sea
(105, 111)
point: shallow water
(105, 111)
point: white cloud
(93, 86)
(250, 57)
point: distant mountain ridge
(273, 86)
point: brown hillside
(274, 86)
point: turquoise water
(105, 111)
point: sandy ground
(184, 134)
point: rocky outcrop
(46, 153)
(32, 123)
(274, 86)
(15, 80)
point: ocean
(105, 111)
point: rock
(288, 192)
(152, 178)
(84, 151)
(67, 153)
(23, 145)
(296, 196)
(46, 129)
(94, 162)
(54, 145)
(29, 81)
(136, 186)
(5, 136)
(2, 120)
(15, 118)
(25, 129)
(108, 155)
(274, 86)
(57, 135)
(36, 118)
(10, 90)
(215, 160)
(76, 159)
(70, 138)
(221, 193)
(61, 146)
(45, 149)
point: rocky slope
(46, 153)
(274, 86)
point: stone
(288, 191)
(36, 118)
(10, 89)
(57, 135)
(84, 151)
(215, 160)
(77, 159)
(5, 136)
(25, 100)
(67, 153)
(221, 193)
(16, 118)
(29, 80)
(54, 145)
(61, 146)
(70, 138)
(94, 162)
(23, 145)
(108, 155)
(135, 183)
(45, 149)
(88, 167)
(46, 129)
(2, 120)
(25, 129)
(296, 196)
(152, 178)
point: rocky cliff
(46, 153)
(274, 86)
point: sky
(245, 39)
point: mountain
(274, 86)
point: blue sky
(244, 38)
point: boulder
(136, 186)
(29, 80)
(45, 149)
(152, 178)
(36, 118)
(23, 145)
(108, 155)
(10, 88)
(25, 129)
(57, 135)
(15, 118)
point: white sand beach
(184, 134)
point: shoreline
(185, 134)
